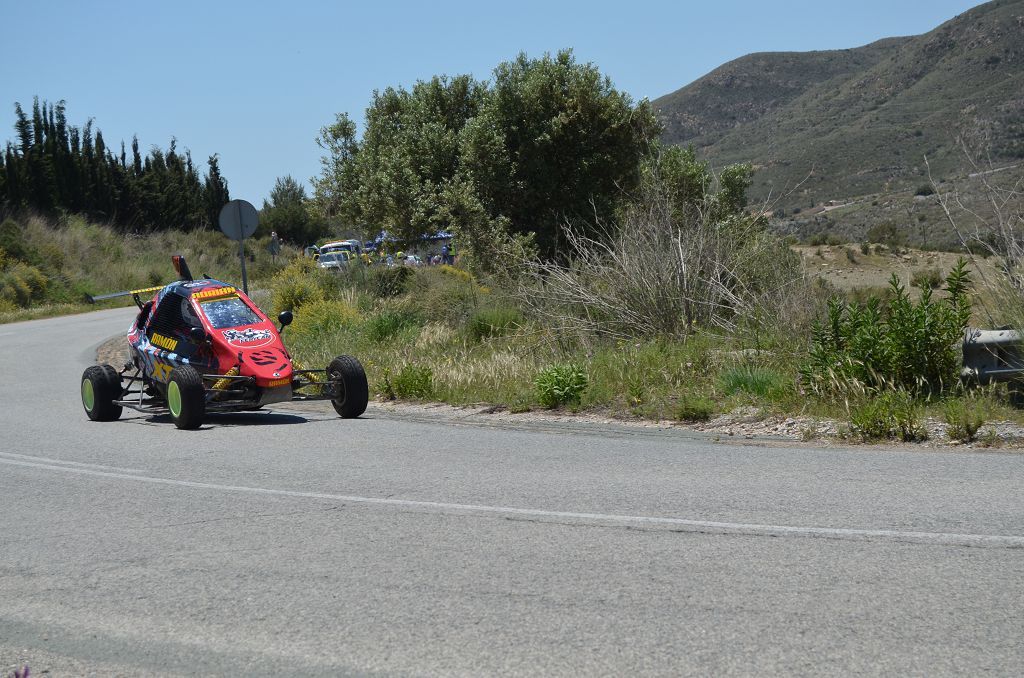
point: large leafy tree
(549, 140)
(336, 189)
(396, 178)
(555, 142)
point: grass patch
(890, 415)
(49, 268)
(48, 311)
(412, 381)
(385, 282)
(761, 382)
(389, 323)
(694, 408)
(964, 418)
(561, 385)
(494, 322)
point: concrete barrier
(993, 355)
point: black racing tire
(186, 397)
(101, 389)
(353, 391)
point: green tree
(551, 140)
(556, 142)
(215, 190)
(56, 166)
(288, 214)
(335, 191)
(692, 187)
(409, 155)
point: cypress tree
(3, 180)
(55, 165)
(216, 191)
(24, 130)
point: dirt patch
(857, 270)
(113, 351)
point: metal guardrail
(993, 355)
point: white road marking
(678, 524)
(63, 462)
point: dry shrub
(434, 334)
(443, 296)
(986, 211)
(301, 283)
(463, 371)
(664, 273)
(324, 318)
(21, 285)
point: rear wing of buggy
(180, 267)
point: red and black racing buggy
(201, 346)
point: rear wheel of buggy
(186, 397)
(101, 389)
(346, 376)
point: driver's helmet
(189, 315)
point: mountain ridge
(842, 123)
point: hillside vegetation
(49, 268)
(860, 121)
(907, 217)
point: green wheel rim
(88, 396)
(174, 399)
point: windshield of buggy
(229, 312)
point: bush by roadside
(904, 346)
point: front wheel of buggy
(351, 391)
(186, 397)
(101, 389)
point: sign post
(238, 220)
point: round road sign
(238, 219)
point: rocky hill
(860, 121)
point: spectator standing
(274, 247)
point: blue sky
(254, 81)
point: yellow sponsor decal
(164, 342)
(146, 289)
(162, 371)
(279, 382)
(219, 292)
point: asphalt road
(296, 543)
